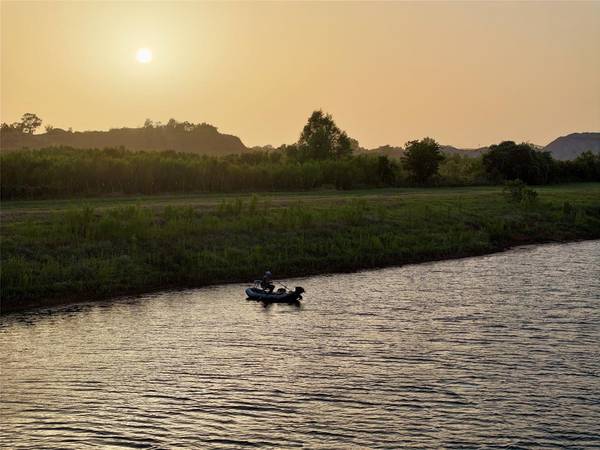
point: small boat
(281, 295)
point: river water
(500, 351)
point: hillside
(572, 145)
(181, 137)
(205, 139)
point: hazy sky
(467, 74)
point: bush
(517, 192)
(458, 170)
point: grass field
(65, 250)
(34, 209)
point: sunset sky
(467, 74)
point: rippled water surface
(495, 351)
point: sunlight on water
(494, 351)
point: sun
(144, 55)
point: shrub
(517, 192)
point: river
(500, 351)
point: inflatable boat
(279, 296)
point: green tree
(587, 166)
(322, 139)
(511, 161)
(385, 171)
(422, 158)
(462, 170)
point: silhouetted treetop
(511, 161)
(28, 124)
(322, 139)
(422, 158)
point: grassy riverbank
(54, 251)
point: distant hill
(472, 152)
(384, 150)
(182, 137)
(205, 139)
(573, 145)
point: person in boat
(266, 283)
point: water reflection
(496, 351)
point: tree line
(323, 157)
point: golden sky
(467, 74)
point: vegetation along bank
(57, 251)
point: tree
(10, 128)
(422, 158)
(511, 161)
(187, 126)
(385, 170)
(586, 166)
(322, 139)
(30, 122)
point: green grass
(80, 250)
(39, 209)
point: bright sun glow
(144, 55)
